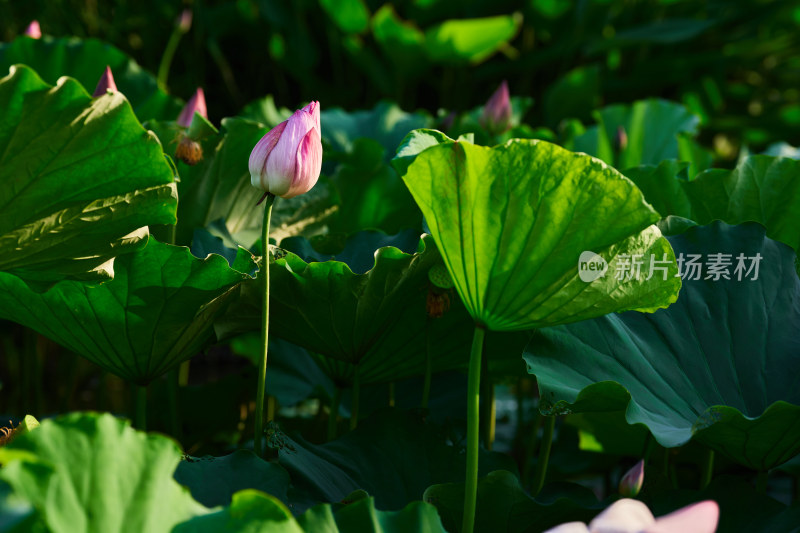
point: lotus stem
(166, 58)
(334, 414)
(355, 401)
(708, 469)
(544, 455)
(258, 442)
(473, 433)
(488, 406)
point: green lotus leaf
(375, 322)
(93, 473)
(250, 511)
(512, 222)
(363, 516)
(761, 188)
(372, 194)
(503, 505)
(214, 481)
(652, 128)
(393, 455)
(470, 40)
(254, 511)
(351, 16)
(86, 60)
(719, 365)
(79, 177)
(385, 123)
(156, 312)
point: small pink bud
(621, 141)
(197, 103)
(287, 160)
(185, 20)
(33, 30)
(496, 117)
(631, 482)
(105, 84)
(701, 517)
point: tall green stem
(708, 469)
(473, 430)
(356, 399)
(166, 59)
(334, 415)
(544, 455)
(258, 441)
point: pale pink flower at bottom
(632, 516)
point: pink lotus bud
(287, 160)
(621, 140)
(33, 30)
(105, 84)
(496, 117)
(631, 482)
(700, 517)
(197, 103)
(185, 21)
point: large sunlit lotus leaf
(464, 41)
(504, 505)
(78, 178)
(652, 128)
(214, 481)
(394, 456)
(719, 365)
(86, 60)
(761, 188)
(93, 473)
(512, 222)
(156, 312)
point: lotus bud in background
(496, 117)
(33, 30)
(286, 162)
(105, 84)
(621, 140)
(631, 482)
(185, 21)
(196, 104)
(634, 516)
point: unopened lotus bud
(631, 482)
(496, 117)
(621, 140)
(33, 30)
(286, 162)
(185, 21)
(105, 84)
(196, 104)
